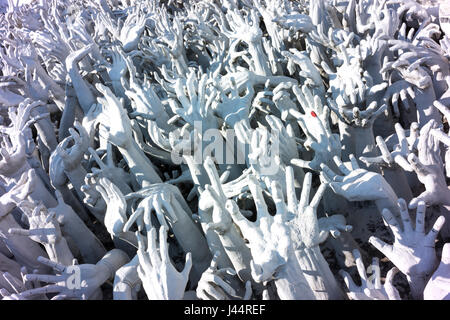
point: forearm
(318, 274)
(396, 178)
(111, 262)
(118, 88)
(59, 252)
(213, 240)
(444, 210)
(25, 250)
(128, 237)
(84, 94)
(91, 249)
(9, 265)
(68, 114)
(238, 253)
(291, 283)
(180, 62)
(57, 91)
(45, 128)
(259, 57)
(76, 176)
(41, 193)
(191, 239)
(74, 203)
(198, 173)
(139, 165)
(417, 285)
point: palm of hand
(314, 122)
(284, 103)
(73, 156)
(115, 217)
(150, 276)
(325, 148)
(438, 286)
(165, 199)
(287, 143)
(90, 275)
(370, 288)
(114, 174)
(64, 284)
(412, 257)
(361, 185)
(235, 108)
(307, 225)
(303, 222)
(434, 182)
(429, 167)
(160, 278)
(269, 248)
(118, 66)
(130, 36)
(116, 124)
(109, 170)
(197, 105)
(61, 211)
(120, 133)
(160, 274)
(47, 230)
(268, 236)
(21, 189)
(13, 157)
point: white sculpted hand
(413, 251)
(160, 278)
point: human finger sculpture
(371, 288)
(159, 277)
(212, 285)
(413, 251)
(75, 281)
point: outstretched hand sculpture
(159, 277)
(413, 251)
(371, 288)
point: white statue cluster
(237, 149)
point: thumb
(425, 196)
(413, 203)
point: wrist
(390, 202)
(111, 262)
(59, 251)
(417, 284)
